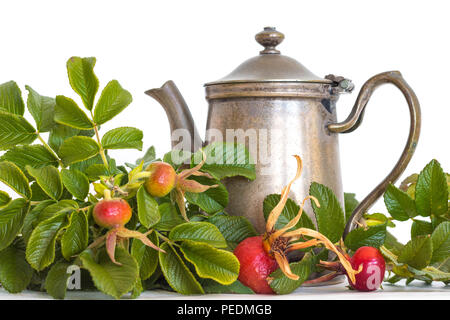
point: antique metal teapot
(286, 110)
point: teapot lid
(270, 65)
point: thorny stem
(102, 151)
(46, 146)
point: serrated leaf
(59, 134)
(421, 228)
(233, 228)
(5, 199)
(36, 156)
(111, 102)
(68, 113)
(441, 242)
(330, 217)
(149, 155)
(432, 190)
(15, 272)
(76, 237)
(15, 130)
(283, 285)
(148, 211)
(212, 200)
(392, 243)
(417, 252)
(350, 204)
(374, 219)
(123, 138)
(176, 158)
(11, 98)
(77, 149)
(176, 273)
(40, 252)
(399, 204)
(32, 217)
(42, 109)
(111, 278)
(76, 182)
(83, 79)
(212, 263)
(211, 286)
(169, 217)
(14, 178)
(63, 206)
(372, 237)
(146, 257)
(226, 160)
(56, 280)
(198, 231)
(289, 212)
(37, 194)
(48, 179)
(11, 221)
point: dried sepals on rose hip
(114, 214)
(260, 256)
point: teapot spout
(184, 134)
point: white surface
(145, 43)
(417, 290)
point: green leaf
(59, 134)
(15, 272)
(421, 228)
(176, 273)
(48, 179)
(76, 237)
(148, 211)
(15, 130)
(82, 79)
(441, 242)
(211, 286)
(112, 101)
(212, 200)
(76, 182)
(123, 138)
(432, 190)
(176, 158)
(14, 178)
(149, 155)
(372, 237)
(169, 217)
(5, 199)
(198, 231)
(111, 278)
(392, 243)
(289, 212)
(417, 252)
(40, 251)
(283, 285)
(330, 217)
(67, 112)
(11, 98)
(374, 219)
(32, 217)
(36, 156)
(63, 206)
(226, 160)
(146, 257)
(234, 229)
(399, 204)
(77, 149)
(56, 280)
(350, 204)
(11, 221)
(42, 109)
(209, 262)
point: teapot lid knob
(269, 38)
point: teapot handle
(354, 120)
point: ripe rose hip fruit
(372, 265)
(162, 179)
(112, 213)
(256, 264)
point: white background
(144, 43)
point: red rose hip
(372, 265)
(112, 213)
(162, 179)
